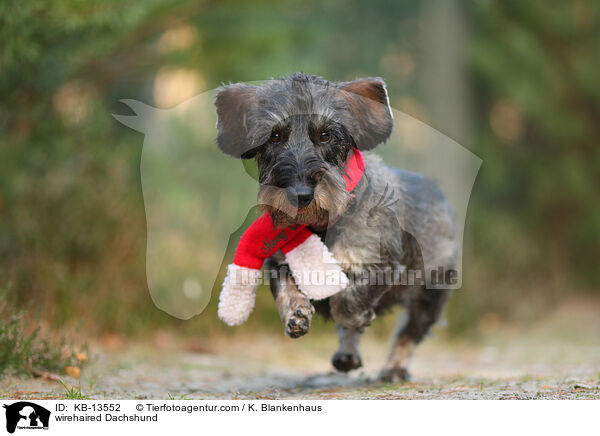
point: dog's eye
(324, 136)
(275, 138)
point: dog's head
(301, 129)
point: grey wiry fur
(301, 130)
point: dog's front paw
(298, 320)
(394, 375)
(346, 362)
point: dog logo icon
(26, 415)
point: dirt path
(274, 367)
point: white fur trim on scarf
(315, 271)
(239, 292)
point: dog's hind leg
(423, 311)
(295, 309)
(347, 357)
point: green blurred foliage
(24, 349)
(534, 235)
(72, 229)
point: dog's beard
(330, 201)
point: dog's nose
(301, 195)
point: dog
(300, 130)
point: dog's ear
(370, 107)
(233, 103)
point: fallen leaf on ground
(73, 371)
(82, 356)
